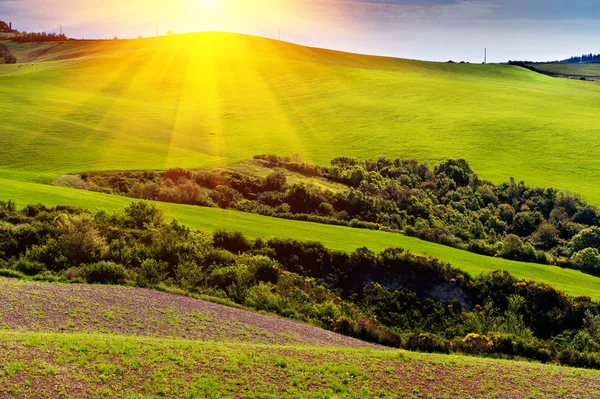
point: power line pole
(485, 56)
(61, 30)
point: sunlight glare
(207, 3)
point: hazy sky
(423, 29)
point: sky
(437, 30)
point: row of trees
(582, 59)
(393, 297)
(447, 204)
(39, 37)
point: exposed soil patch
(32, 306)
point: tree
(586, 238)
(546, 236)
(169, 32)
(514, 248)
(80, 240)
(587, 260)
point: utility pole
(485, 56)
(61, 30)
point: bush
(476, 344)
(152, 272)
(80, 239)
(105, 273)
(514, 248)
(586, 238)
(426, 342)
(141, 214)
(232, 241)
(30, 268)
(587, 260)
(263, 297)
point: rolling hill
(96, 341)
(210, 99)
(588, 70)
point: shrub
(30, 268)
(105, 273)
(426, 342)
(263, 297)
(476, 344)
(80, 239)
(587, 260)
(514, 248)
(141, 214)
(152, 272)
(233, 241)
(586, 238)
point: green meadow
(589, 70)
(213, 99)
(46, 365)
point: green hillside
(101, 365)
(591, 70)
(211, 99)
(205, 99)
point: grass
(46, 365)
(211, 99)
(336, 237)
(587, 70)
(214, 99)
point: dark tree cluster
(39, 37)
(6, 56)
(585, 58)
(394, 297)
(6, 27)
(448, 204)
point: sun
(207, 3)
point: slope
(204, 99)
(212, 98)
(97, 341)
(335, 237)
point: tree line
(394, 297)
(447, 204)
(585, 58)
(39, 37)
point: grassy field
(90, 341)
(587, 70)
(45, 365)
(209, 99)
(214, 99)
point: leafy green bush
(152, 272)
(232, 241)
(587, 260)
(105, 273)
(30, 268)
(427, 342)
